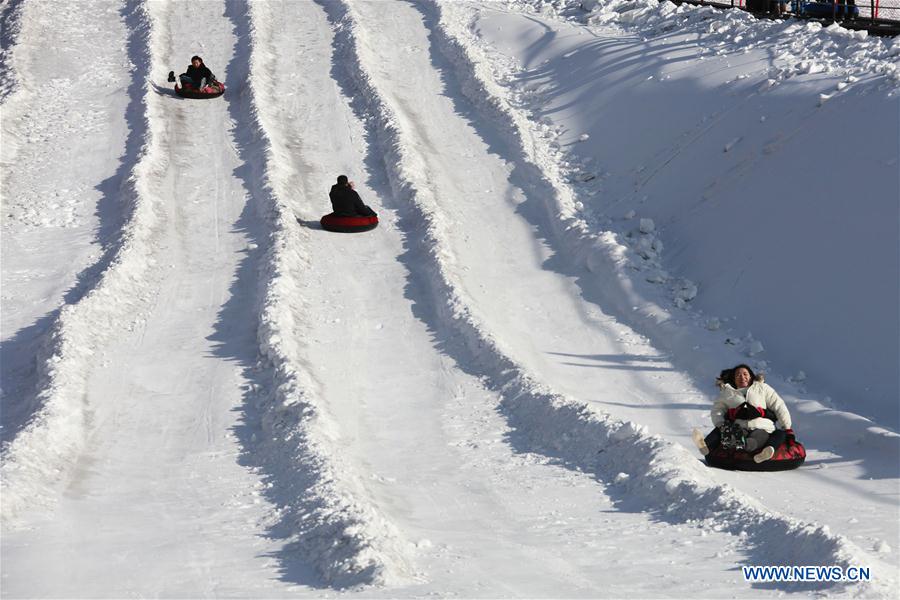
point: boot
(764, 455)
(697, 436)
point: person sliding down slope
(747, 402)
(197, 75)
(345, 202)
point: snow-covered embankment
(661, 474)
(40, 458)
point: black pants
(776, 438)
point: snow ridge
(799, 47)
(39, 460)
(661, 475)
(13, 95)
(10, 27)
(329, 521)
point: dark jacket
(197, 74)
(347, 203)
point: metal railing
(878, 16)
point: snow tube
(332, 222)
(210, 91)
(789, 455)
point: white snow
(588, 208)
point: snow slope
(782, 228)
(491, 394)
(65, 157)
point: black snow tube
(195, 94)
(340, 224)
(790, 455)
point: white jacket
(758, 394)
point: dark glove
(749, 412)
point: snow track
(605, 270)
(39, 459)
(662, 475)
(416, 476)
(422, 485)
(477, 399)
(151, 486)
(324, 515)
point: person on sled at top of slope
(753, 405)
(345, 202)
(197, 75)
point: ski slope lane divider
(38, 462)
(10, 26)
(330, 522)
(662, 476)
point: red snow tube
(332, 222)
(790, 455)
(210, 91)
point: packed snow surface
(587, 210)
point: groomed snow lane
(448, 506)
(158, 503)
(64, 175)
(402, 432)
(516, 309)
(859, 453)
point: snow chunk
(647, 226)
(800, 376)
(755, 348)
(673, 484)
(811, 67)
(686, 290)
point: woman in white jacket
(745, 399)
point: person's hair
(727, 375)
(342, 179)
(193, 58)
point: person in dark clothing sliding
(197, 74)
(345, 202)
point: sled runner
(332, 222)
(216, 89)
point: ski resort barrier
(878, 17)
